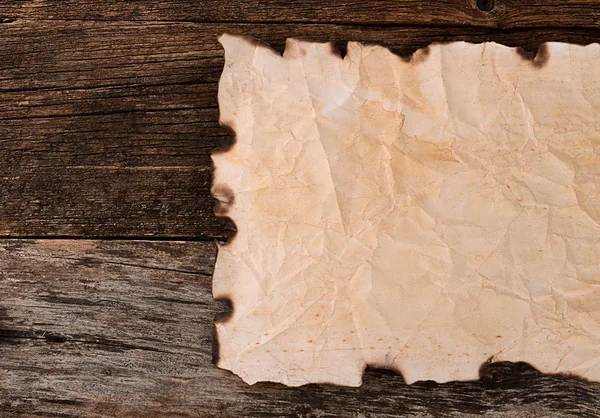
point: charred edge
(339, 50)
(371, 371)
(220, 318)
(405, 53)
(538, 57)
(226, 223)
(224, 199)
(572, 376)
(531, 49)
(417, 56)
(228, 227)
(227, 142)
(340, 47)
(223, 195)
(507, 375)
(222, 205)
(537, 54)
(383, 369)
(280, 48)
(492, 375)
(515, 375)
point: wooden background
(108, 116)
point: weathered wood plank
(108, 115)
(505, 14)
(123, 328)
(106, 128)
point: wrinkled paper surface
(424, 215)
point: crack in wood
(93, 261)
(52, 337)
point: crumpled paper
(425, 215)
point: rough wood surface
(506, 14)
(108, 116)
(122, 328)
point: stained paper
(426, 215)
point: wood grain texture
(506, 14)
(108, 116)
(121, 328)
(106, 127)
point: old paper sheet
(424, 215)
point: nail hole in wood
(485, 5)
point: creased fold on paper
(424, 216)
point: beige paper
(425, 216)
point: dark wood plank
(107, 131)
(123, 328)
(106, 128)
(505, 14)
